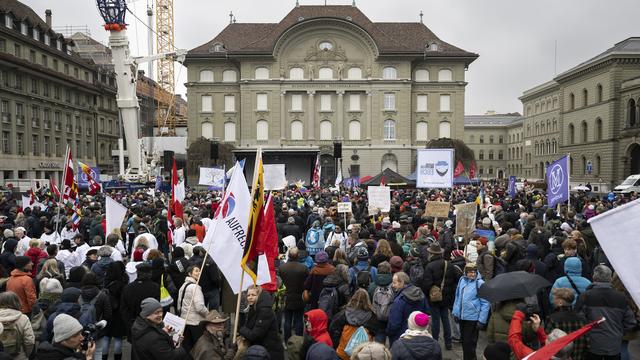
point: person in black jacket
(261, 327)
(115, 281)
(290, 228)
(293, 275)
(210, 278)
(150, 338)
(8, 257)
(133, 294)
(434, 273)
(416, 343)
(178, 266)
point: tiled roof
(22, 12)
(239, 38)
(492, 120)
(630, 46)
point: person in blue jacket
(470, 311)
(362, 264)
(572, 280)
(408, 298)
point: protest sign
(213, 177)
(344, 207)
(466, 219)
(438, 209)
(274, 176)
(434, 168)
(379, 199)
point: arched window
(325, 130)
(472, 139)
(554, 146)
(599, 93)
(445, 129)
(500, 155)
(262, 130)
(555, 124)
(354, 130)
(598, 129)
(490, 170)
(572, 101)
(585, 97)
(481, 139)
(207, 130)
(296, 73)
(389, 129)
(297, 129)
(584, 131)
(481, 155)
(548, 146)
(631, 113)
(490, 154)
(262, 73)
(229, 76)
(571, 134)
(229, 131)
(206, 76)
(325, 73)
(422, 129)
(490, 139)
(584, 165)
(390, 161)
(389, 73)
(445, 75)
(354, 73)
(548, 125)
(596, 167)
(536, 148)
(422, 75)
(500, 139)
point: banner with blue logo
(558, 181)
(512, 186)
(83, 182)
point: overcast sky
(515, 38)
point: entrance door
(328, 171)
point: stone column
(369, 110)
(283, 115)
(637, 114)
(340, 111)
(311, 114)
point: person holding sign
(150, 338)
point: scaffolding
(165, 114)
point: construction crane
(166, 111)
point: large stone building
(325, 75)
(50, 98)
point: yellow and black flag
(250, 256)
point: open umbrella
(580, 188)
(512, 285)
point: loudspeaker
(214, 150)
(337, 150)
(168, 160)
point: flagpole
(64, 180)
(568, 181)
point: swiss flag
(472, 170)
(459, 169)
(177, 192)
(267, 242)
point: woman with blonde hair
(358, 312)
(261, 327)
(383, 253)
(340, 257)
(192, 307)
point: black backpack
(329, 301)
(416, 272)
(363, 278)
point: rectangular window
(5, 78)
(6, 114)
(66, 69)
(35, 34)
(56, 92)
(19, 84)
(67, 95)
(47, 39)
(47, 118)
(32, 56)
(34, 86)
(78, 149)
(68, 123)
(422, 103)
(354, 102)
(57, 121)
(58, 148)
(75, 73)
(35, 116)
(46, 146)
(59, 45)
(207, 103)
(389, 101)
(296, 102)
(6, 142)
(45, 60)
(45, 89)
(20, 143)
(19, 114)
(34, 145)
(261, 102)
(24, 28)
(86, 76)
(110, 126)
(229, 103)
(17, 50)
(3, 45)
(325, 102)
(89, 150)
(445, 102)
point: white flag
(212, 177)
(339, 176)
(617, 235)
(227, 234)
(115, 214)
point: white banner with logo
(212, 177)
(435, 168)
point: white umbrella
(580, 188)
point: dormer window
(35, 33)
(218, 48)
(24, 28)
(431, 47)
(59, 44)
(8, 21)
(47, 40)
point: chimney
(47, 14)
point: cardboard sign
(344, 207)
(438, 209)
(466, 218)
(379, 199)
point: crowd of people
(392, 285)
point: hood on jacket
(264, 300)
(9, 315)
(332, 280)
(48, 351)
(384, 279)
(321, 351)
(421, 347)
(10, 245)
(140, 327)
(573, 266)
(76, 273)
(412, 293)
(71, 309)
(357, 317)
(322, 269)
(89, 292)
(257, 352)
(17, 272)
(318, 320)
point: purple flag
(558, 181)
(512, 186)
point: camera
(89, 331)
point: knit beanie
(418, 321)
(70, 295)
(64, 327)
(148, 306)
(497, 351)
(322, 257)
(22, 261)
(50, 285)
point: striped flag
(94, 186)
(55, 192)
(250, 255)
(315, 180)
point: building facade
(50, 98)
(325, 75)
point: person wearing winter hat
(396, 264)
(151, 339)
(469, 310)
(497, 351)
(371, 350)
(416, 342)
(362, 265)
(22, 284)
(313, 282)
(67, 339)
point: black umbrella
(512, 285)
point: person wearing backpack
(293, 275)
(362, 274)
(17, 337)
(335, 291)
(408, 298)
(439, 284)
(381, 294)
(486, 262)
(357, 313)
(95, 305)
(68, 305)
(313, 283)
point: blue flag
(558, 181)
(512, 186)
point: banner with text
(438, 209)
(466, 219)
(435, 168)
(379, 199)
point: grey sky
(515, 38)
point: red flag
(472, 170)
(382, 181)
(54, 189)
(70, 187)
(249, 260)
(169, 227)
(267, 242)
(315, 180)
(459, 169)
(177, 192)
(548, 351)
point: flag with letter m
(558, 181)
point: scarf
(412, 333)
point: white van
(632, 181)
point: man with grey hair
(601, 300)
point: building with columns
(325, 75)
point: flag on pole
(472, 170)
(114, 213)
(339, 176)
(558, 181)
(70, 186)
(480, 198)
(77, 215)
(459, 169)
(512, 186)
(383, 182)
(315, 180)
(55, 192)
(267, 246)
(250, 254)
(548, 351)
(94, 186)
(177, 193)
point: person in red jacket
(35, 254)
(315, 324)
(520, 350)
